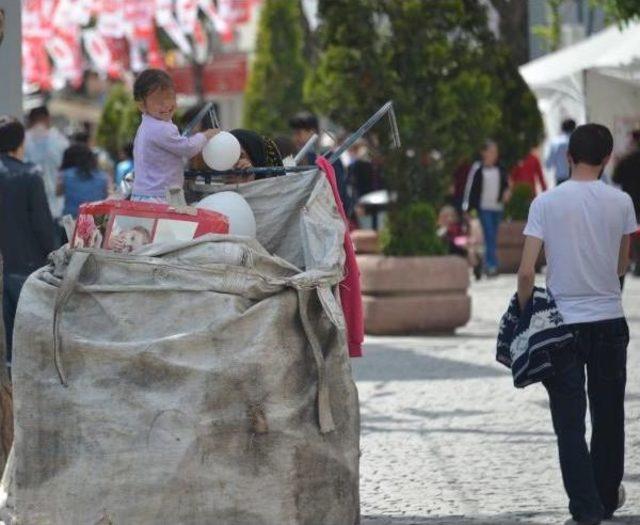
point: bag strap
(325, 416)
(69, 282)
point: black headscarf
(262, 151)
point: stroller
(463, 235)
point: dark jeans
(12, 285)
(591, 478)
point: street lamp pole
(11, 58)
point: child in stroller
(462, 236)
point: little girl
(159, 149)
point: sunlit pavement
(447, 439)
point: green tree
(620, 10)
(452, 83)
(349, 80)
(119, 120)
(552, 33)
(274, 90)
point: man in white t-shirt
(584, 226)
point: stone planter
(510, 245)
(366, 241)
(406, 295)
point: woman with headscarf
(257, 151)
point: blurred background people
(286, 146)
(557, 154)
(44, 147)
(303, 125)
(487, 190)
(124, 164)
(26, 226)
(459, 182)
(80, 180)
(627, 176)
(528, 171)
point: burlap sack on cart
(201, 383)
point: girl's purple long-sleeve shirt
(158, 156)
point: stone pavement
(448, 440)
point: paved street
(447, 439)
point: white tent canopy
(596, 80)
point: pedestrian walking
(26, 226)
(487, 190)
(44, 147)
(584, 226)
(557, 153)
(528, 171)
(627, 176)
(80, 179)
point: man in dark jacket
(26, 227)
(627, 175)
(303, 126)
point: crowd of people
(479, 191)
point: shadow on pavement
(439, 414)
(507, 518)
(368, 429)
(383, 363)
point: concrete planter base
(510, 246)
(405, 295)
(366, 241)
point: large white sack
(206, 382)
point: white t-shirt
(582, 225)
(490, 189)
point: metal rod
(196, 120)
(306, 148)
(354, 137)
(213, 115)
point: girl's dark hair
(149, 81)
(81, 157)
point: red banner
(58, 45)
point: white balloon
(236, 208)
(222, 151)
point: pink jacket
(350, 286)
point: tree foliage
(399, 235)
(119, 120)
(620, 10)
(552, 33)
(453, 85)
(274, 90)
(348, 82)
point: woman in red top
(529, 171)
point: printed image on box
(129, 233)
(124, 226)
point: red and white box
(122, 226)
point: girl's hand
(210, 133)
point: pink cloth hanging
(350, 286)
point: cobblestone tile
(448, 440)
